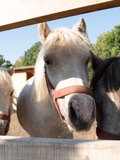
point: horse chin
(71, 129)
(87, 127)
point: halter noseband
(63, 92)
(103, 135)
(5, 117)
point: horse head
(64, 56)
(106, 92)
(6, 91)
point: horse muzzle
(81, 106)
(4, 124)
(82, 112)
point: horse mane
(40, 87)
(59, 37)
(109, 70)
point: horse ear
(43, 31)
(81, 26)
(11, 70)
(95, 61)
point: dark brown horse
(106, 92)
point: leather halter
(103, 135)
(63, 92)
(5, 117)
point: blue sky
(13, 43)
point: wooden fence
(13, 148)
(18, 13)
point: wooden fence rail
(17, 13)
(16, 148)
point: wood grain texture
(14, 148)
(19, 13)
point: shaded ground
(16, 130)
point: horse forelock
(68, 38)
(71, 41)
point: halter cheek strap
(103, 135)
(5, 117)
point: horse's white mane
(71, 39)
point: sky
(14, 42)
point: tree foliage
(4, 63)
(29, 57)
(108, 43)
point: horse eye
(87, 62)
(11, 93)
(48, 61)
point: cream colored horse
(6, 92)
(61, 82)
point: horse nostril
(72, 114)
(79, 116)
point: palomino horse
(6, 91)
(106, 91)
(61, 82)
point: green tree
(29, 57)
(4, 63)
(2, 60)
(108, 43)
